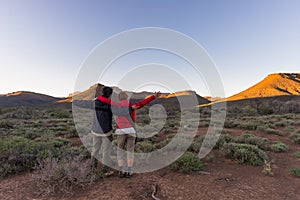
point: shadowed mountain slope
(24, 98)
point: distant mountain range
(185, 98)
(280, 84)
(24, 98)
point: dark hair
(107, 91)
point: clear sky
(44, 42)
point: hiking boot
(122, 174)
(104, 169)
(128, 174)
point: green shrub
(279, 147)
(224, 138)
(265, 110)
(168, 130)
(62, 114)
(244, 153)
(59, 142)
(188, 162)
(210, 157)
(163, 143)
(272, 126)
(196, 145)
(18, 154)
(263, 127)
(73, 133)
(6, 124)
(296, 138)
(144, 147)
(288, 129)
(154, 138)
(230, 123)
(247, 126)
(296, 154)
(248, 138)
(7, 110)
(249, 111)
(274, 131)
(281, 124)
(32, 135)
(295, 171)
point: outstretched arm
(88, 104)
(91, 104)
(147, 100)
(107, 101)
(115, 107)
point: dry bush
(64, 175)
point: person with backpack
(126, 133)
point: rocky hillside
(273, 85)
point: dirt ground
(226, 180)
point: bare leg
(120, 153)
(130, 152)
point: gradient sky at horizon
(44, 42)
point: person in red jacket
(126, 133)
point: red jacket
(122, 121)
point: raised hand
(157, 94)
(134, 107)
